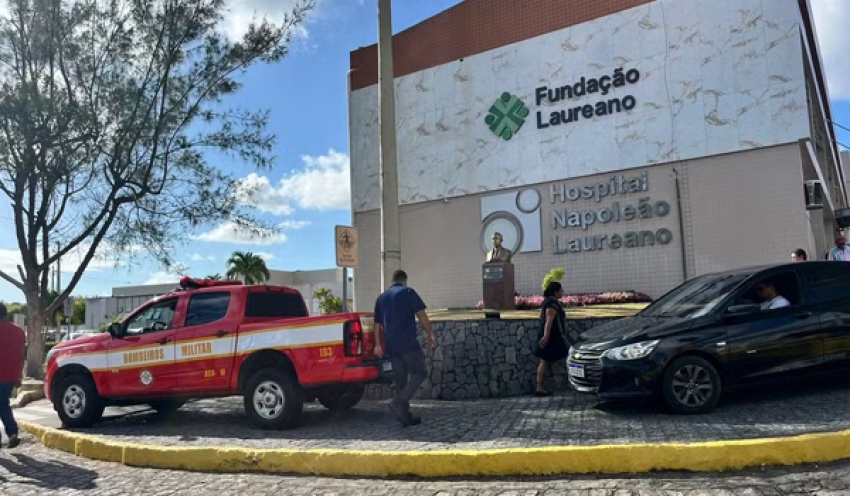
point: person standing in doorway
(396, 311)
(551, 344)
(12, 349)
(841, 252)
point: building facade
(125, 299)
(634, 143)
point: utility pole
(390, 243)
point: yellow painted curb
(624, 458)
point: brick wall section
(475, 26)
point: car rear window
(827, 282)
(275, 305)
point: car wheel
(274, 400)
(77, 402)
(691, 385)
(342, 398)
(166, 407)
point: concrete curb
(27, 397)
(715, 456)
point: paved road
(527, 421)
(33, 470)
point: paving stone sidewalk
(33, 470)
(565, 419)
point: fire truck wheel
(343, 397)
(274, 400)
(77, 402)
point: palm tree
(214, 277)
(251, 268)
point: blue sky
(307, 190)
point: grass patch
(589, 312)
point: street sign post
(347, 242)
(69, 306)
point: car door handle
(164, 341)
(221, 334)
(804, 314)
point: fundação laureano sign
(508, 113)
(507, 116)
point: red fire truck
(212, 339)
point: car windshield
(695, 298)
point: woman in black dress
(551, 345)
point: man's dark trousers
(408, 375)
(6, 410)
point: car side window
(826, 283)
(155, 318)
(772, 292)
(206, 308)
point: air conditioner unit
(814, 195)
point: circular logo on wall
(146, 377)
(506, 224)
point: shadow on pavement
(51, 475)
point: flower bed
(581, 300)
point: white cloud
(293, 224)
(172, 275)
(321, 184)
(197, 257)
(831, 20)
(256, 191)
(230, 232)
(265, 255)
(240, 13)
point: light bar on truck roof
(192, 283)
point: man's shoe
(14, 441)
(402, 415)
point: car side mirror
(114, 330)
(739, 310)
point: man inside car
(770, 298)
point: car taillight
(353, 338)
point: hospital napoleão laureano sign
(615, 213)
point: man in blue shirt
(396, 311)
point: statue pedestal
(498, 280)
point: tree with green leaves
(250, 268)
(108, 110)
(328, 303)
(213, 277)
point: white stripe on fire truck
(200, 349)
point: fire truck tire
(274, 399)
(341, 398)
(77, 402)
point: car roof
(755, 269)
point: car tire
(166, 407)
(77, 402)
(691, 385)
(341, 398)
(274, 399)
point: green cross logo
(506, 116)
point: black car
(715, 332)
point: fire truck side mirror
(115, 330)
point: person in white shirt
(841, 252)
(771, 299)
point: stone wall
(484, 359)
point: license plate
(577, 370)
(387, 366)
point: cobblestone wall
(484, 359)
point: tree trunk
(35, 336)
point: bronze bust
(499, 253)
